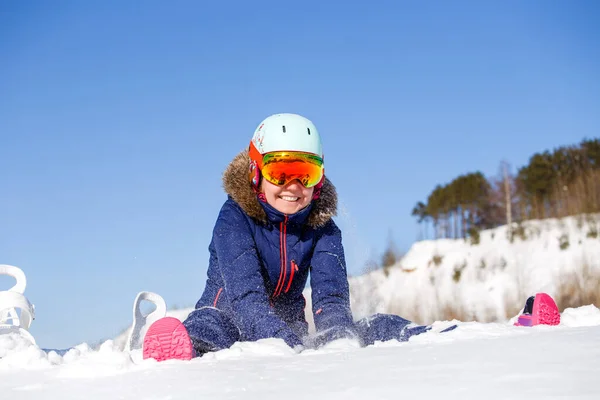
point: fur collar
(237, 185)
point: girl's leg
(205, 329)
(211, 330)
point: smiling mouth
(290, 198)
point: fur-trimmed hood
(237, 185)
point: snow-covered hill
(488, 281)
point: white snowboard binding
(16, 312)
(141, 321)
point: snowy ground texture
(477, 360)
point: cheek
(309, 192)
(268, 189)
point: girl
(273, 231)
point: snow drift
(495, 360)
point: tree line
(554, 184)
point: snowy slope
(491, 361)
(489, 281)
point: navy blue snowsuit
(260, 261)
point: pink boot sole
(167, 339)
(543, 312)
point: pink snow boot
(539, 310)
(167, 339)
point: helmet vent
(283, 127)
(308, 129)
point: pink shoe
(539, 310)
(167, 339)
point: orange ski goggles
(282, 167)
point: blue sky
(118, 118)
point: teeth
(290, 198)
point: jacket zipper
(282, 256)
(293, 268)
(217, 297)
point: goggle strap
(255, 155)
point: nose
(295, 184)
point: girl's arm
(329, 285)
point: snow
(491, 359)
(495, 360)
(488, 281)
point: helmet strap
(317, 192)
(254, 176)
